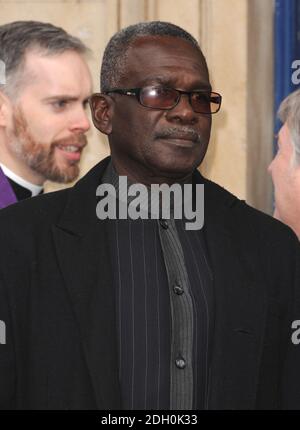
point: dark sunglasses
(202, 101)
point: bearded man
(43, 96)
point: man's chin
(175, 168)
(63, 175)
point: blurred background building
(251, 47)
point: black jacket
(57, 302)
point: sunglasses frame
(136, 92)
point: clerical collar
(34, 189)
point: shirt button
(180, 363)
(164, 224)
(178, 290)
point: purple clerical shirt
(7, 196)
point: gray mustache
(183, 132)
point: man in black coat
(106, 313)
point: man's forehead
(56, 72)
(164, 54)
(162, 41)
(167, 47)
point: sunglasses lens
(215, 102)
(206, 102)
(158, 97)
(167, 98)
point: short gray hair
(289, 113)
(19, 37)
(115, 54)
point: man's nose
(183, 112)
(80, 122)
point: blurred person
(43, 101)
(285, 167)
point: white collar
(34, 189)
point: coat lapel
(81, 247)
(240, 309)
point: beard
(40, 157)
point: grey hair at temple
(289, 113)
(115, 54)
(19, 37)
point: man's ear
(102, 110)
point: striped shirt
(164, 303)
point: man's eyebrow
(169, 81)
(205, 87)
(60, 97)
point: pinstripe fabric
(164, 311)
(143, 316)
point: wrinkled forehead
(62, 72)
(164, 55)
